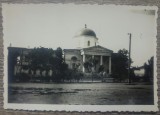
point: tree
(42, 59)
(12, 62)
(120, 65)
(59, 67)
(90, 65)
(39, 59)
(148, 75)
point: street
(81, 93)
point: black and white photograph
(80, 57)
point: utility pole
(129, 59)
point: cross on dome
(85, 25)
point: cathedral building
(88, 50)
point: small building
(139, 71)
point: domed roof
(86, 32)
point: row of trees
(45, 60)
(120, 68)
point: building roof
(65, 50)
(98, 48)
(18, 48)
(86, 32)
(138, 68)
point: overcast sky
(54, 25)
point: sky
(55, 25)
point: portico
(100, 54)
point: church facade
(88, 51)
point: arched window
(74, 58)
(88, 43)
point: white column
(83, 62)
(101, 60)
(93, 68)
(92, 56)
(110, 65)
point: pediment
(97, 49)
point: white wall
(82, 41)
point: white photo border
(86, 108)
